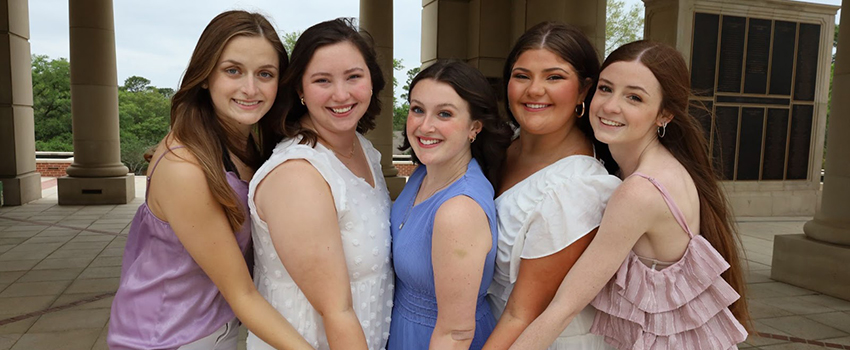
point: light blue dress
(415, 302)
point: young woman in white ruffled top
(319, 205)
(554, 184)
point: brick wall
(51, 168)
(404, 168)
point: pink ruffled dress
(683, 306)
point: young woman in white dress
(319, 205)
(554, 185)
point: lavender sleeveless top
(164, 299)
(684, 306)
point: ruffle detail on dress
(722, 331)
(557, 206)
(684, 306)
(654, 291)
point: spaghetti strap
(680, 218)
(150, 175)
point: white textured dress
(543, 214)
(363, 214)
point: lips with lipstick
(536, 105)
(246, 103)
(341, 110)
(610, 122)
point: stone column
(21, 184)
(97, 175)
(818, 259)
(376, 17)
(670, 22)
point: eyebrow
(633, 87)
(347, 71)
(547, 70)
(267, 66)
(442, 105)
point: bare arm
(622, 225)
(460, 243)
(298, 206)
(537, 282)
(201, 226)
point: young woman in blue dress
(444, 221)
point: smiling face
(625, 108)
(336, 87)
(243, 84)
(439, 125)
(543, 92)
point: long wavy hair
(318, 36)
(495, 135)
(571, 45)
(194, 121)
(685, 139)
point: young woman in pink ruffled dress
(663, 270)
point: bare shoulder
(462, 218)
(637, 196)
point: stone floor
(59, 267)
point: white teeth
(342, 110)
(429, 142)
(610, 122)
(244, 103)
(535, 105)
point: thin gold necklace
(350, 154)
(410, 205)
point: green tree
(622, 25)
(135, 84)
(289, 39)
(400, 109)
(51, 87)
(144, 114)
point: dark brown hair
(495, 135)
(318, 36)
(684, 138)
(194, 121)
(571, 45)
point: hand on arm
(460, 243)
(201, 226)
(297, 204)
(622, 225)
(537, 281)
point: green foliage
(622, 25)
(51, 89)
(143, 111)
(400, 110)
(289, 39)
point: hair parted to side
(686, 141)
(194, 121)
(495, 135)
(571, 45)
(318, 36)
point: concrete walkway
(59, 268)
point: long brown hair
(571, 45)
(318, 36)
(684, 139)
(193, 119)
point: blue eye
(604, 88)
(416, 109)
(268, 75)
(231, 71)
(444, 114)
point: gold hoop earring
(302, 101)
(580, 112)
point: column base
(812, 264)
(96, 190)
(394, 185)
(21, 189)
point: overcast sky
(154, 38)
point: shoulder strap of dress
(150, 175)
(680, 218)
